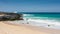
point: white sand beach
(6, 28)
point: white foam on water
(40, 22)
(28, 15)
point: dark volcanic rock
(10, 16)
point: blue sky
(30, 5)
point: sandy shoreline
(6, 28)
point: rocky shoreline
(5, 16)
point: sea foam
(45, 23)
(37, 20)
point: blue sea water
(43, 19)
(50, 16)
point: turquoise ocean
(43, 19)
(44, 16)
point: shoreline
(50, 26)
(25, 29)
(27, 25)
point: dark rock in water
(10, 16)
(27, 22)
(48, 25)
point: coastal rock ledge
(4, 16)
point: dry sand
(24, 29)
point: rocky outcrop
(10, 16)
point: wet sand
(6, 28)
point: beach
(6, 28)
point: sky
(30, 5)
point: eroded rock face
(10, 16)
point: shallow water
(44, 20)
